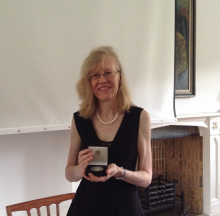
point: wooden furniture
(27, 206)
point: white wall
(44, 43)
(207, 97)
(32, 166)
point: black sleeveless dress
(113, 197)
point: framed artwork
(184, 48)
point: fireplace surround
(181, 158)
(209, 129)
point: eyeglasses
(108, 74)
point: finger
(88, 178)
(110, 171)
(98, 179)
(88, 157)
(83, 152)
(85, 163)
(93, 178)
(104, 178)
(85, 156)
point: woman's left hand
(110, 172)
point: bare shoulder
(144, 125)
(144, 118)
(75, 138)
(74, 131)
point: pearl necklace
(106, 123)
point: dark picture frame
(184, 64)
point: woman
(108, 118)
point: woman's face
(106, 89)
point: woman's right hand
(84, 157)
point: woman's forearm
(73, 173)
(139, 178)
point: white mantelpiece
(209, 126)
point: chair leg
(38, 212)
(48, 211)
(58, 210)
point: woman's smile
(104, 88)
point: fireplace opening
(177, 153)
(160, 195)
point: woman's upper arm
(75, 145)
(144, 143)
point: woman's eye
(108, 73)
(95, 75)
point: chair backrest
(27, 206)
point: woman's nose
(102, 78)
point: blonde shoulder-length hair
(91, 64)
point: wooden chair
(27, 206)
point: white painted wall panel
(43, 44)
